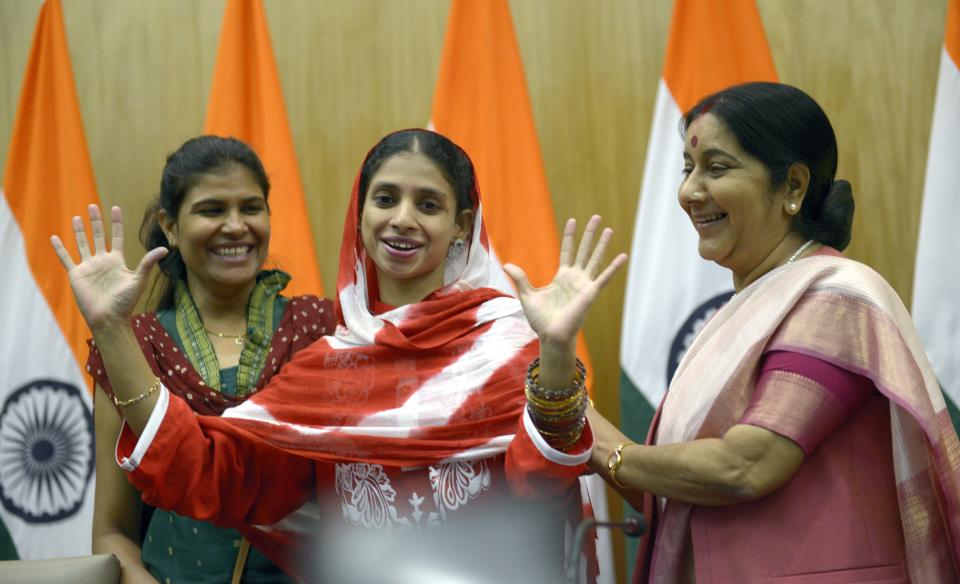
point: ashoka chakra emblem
(691, 328)
(46, 451)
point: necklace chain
(800, 250)
(238, 340)
(790, 260)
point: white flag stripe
(936, 290)
(667, 279)
(32, 348)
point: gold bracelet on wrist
(614, 462)
(129, 402)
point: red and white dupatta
(873, 336)
(436, 381)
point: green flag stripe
(636, 413)
(954, 412)
(8, 551)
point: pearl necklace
(238, 340)
(799, 251)
(790, 260)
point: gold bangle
(614, 462)
(555, 407)
(125, 403)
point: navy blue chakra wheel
(689, 330)
(46, 451)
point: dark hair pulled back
(194, 159)
(452, 161)
(781, 125)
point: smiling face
(408, 222)
(222, 231)
(742, 219)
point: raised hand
(557, 311)
(105, 290)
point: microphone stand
(632, 527)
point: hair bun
(835, 223)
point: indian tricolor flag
(481, 103)
(936, 284)
(671, 291)
(246, 102)
(46, 425)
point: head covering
(356, 277)
(437, 380)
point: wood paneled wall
(352, 71)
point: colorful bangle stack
(559, 415)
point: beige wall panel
(873, 67)
(17, 21)
(143, 74)
(352, 71)
(592, 70)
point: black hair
(452, 161)
(196, 158)
(781, 125)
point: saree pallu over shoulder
(842, 312)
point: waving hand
(104, 289)
(557, 311)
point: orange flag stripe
(246, 102)
(481, 103)
(951, 39)
(48, 177)
(714, 45)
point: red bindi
(693, 141)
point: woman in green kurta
(220, 323)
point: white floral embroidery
(456, 483)
(368, 499)
(415, 502)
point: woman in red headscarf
(413, 413)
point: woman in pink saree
(804, 437)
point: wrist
(557, 345)
(558, 413)
(110, 330)
(614, 463)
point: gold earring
(793, 207)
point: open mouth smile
(401, 247)
(708, 220)
(232, 252)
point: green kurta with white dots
(181, 550)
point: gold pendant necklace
(238, 340)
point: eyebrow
(713, 152)
(217, 200)
(394, 187)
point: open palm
(557, 311)
(104, 289)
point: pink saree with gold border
(842, 312)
